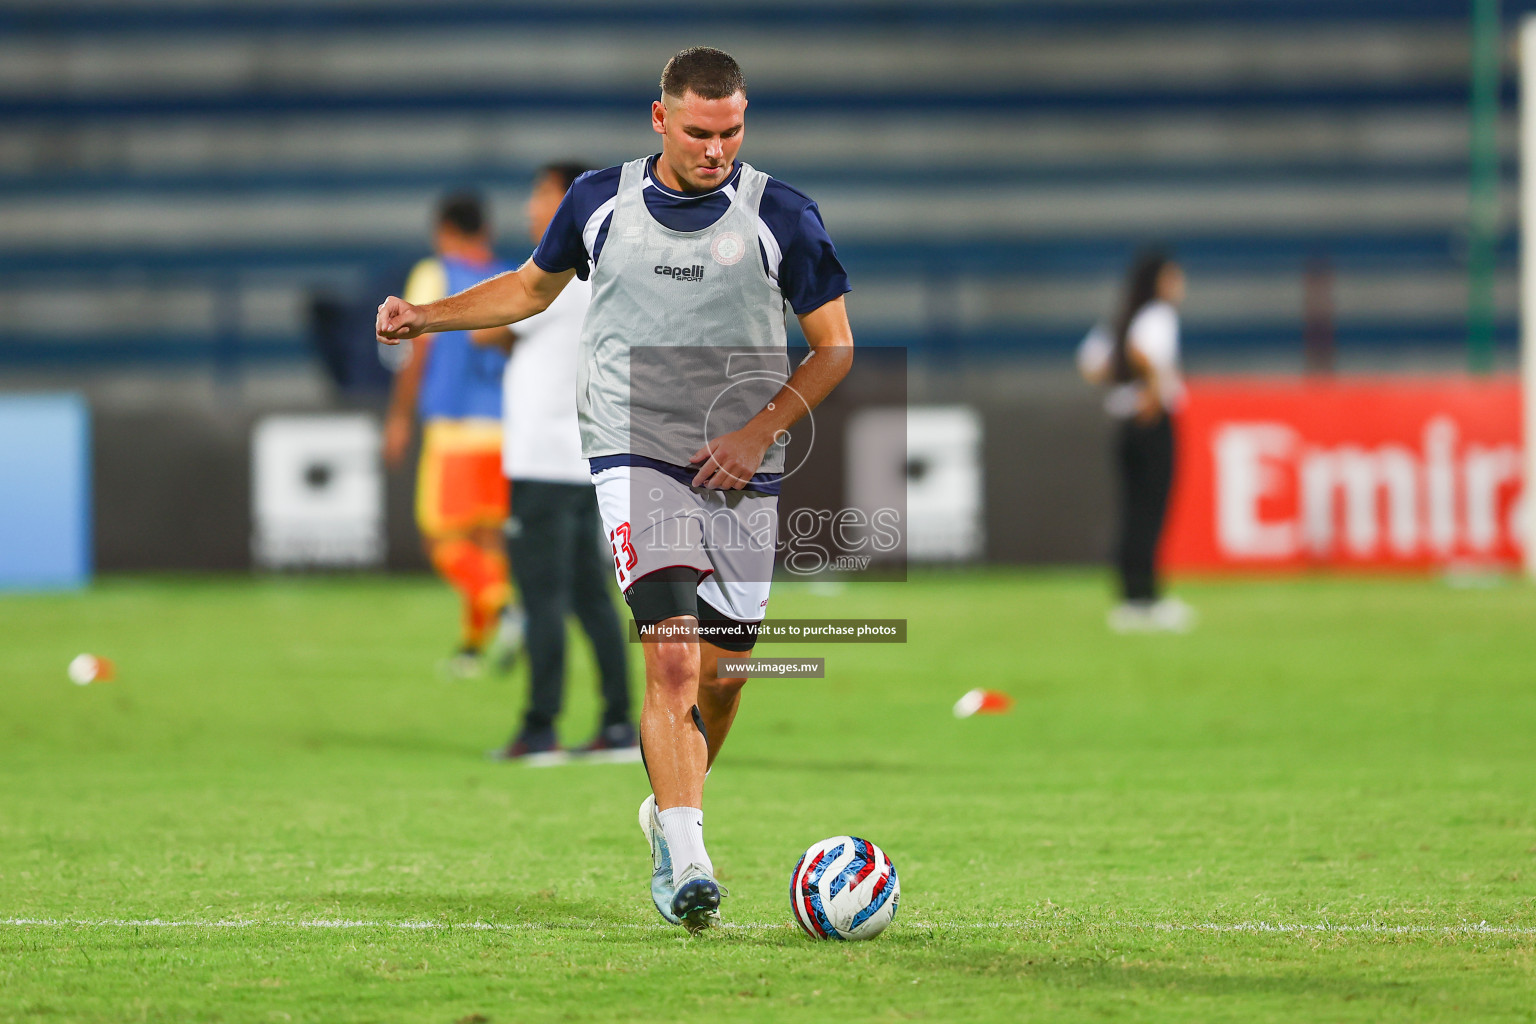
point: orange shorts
(459, 486)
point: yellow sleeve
(428, 282)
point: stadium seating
(179, 181)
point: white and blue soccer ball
(844, 888)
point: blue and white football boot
(661, 860)
(696, 903)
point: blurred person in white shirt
(555, 534)
(1136, 359)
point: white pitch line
(320, 923)
(1241, 927)
(1264, 927)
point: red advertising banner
(1368, 473)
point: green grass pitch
(1321, 806)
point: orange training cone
(982, 702)
(88, 668)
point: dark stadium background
(200, 202)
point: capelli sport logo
(693, 273)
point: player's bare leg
(677, 757)
(719, 696)
(675, 753)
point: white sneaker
(1132, 617)
(661, 860)
(1173, 616)
(464, 664)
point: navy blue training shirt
(797, 252)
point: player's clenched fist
(398, 320)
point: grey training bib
(684, 338)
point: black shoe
(613, 743)
(532, 747)
(620, 736)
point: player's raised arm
(730, 460)
(504, 299)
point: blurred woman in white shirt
(1136, 358)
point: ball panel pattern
(844, 888)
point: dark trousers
(554, 539)
(1144, 461)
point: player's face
(1170, 284)
(448, 240)
(699, 139)
(543, 201)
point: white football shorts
(655, 521)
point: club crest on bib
(727, 248)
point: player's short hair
(565, 172)
(464, 212)
(708, 73)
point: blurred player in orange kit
(453, 385)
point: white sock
(684, 829)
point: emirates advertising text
(1369, 473)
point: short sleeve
(563, 248)
(811, 275)
(807, 268)
(428, 282)
(1093, 354)
(1155, 334)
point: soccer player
(694, 257)
(454, 386)
(555, 533)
